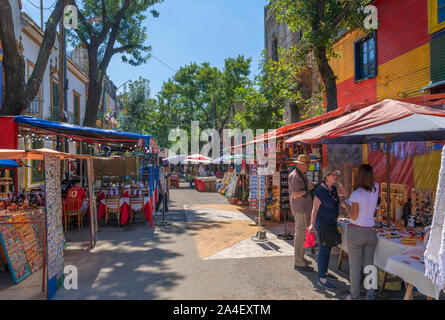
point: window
(436, 15)
(440, 11)
(37, 170)
(275, 49)
(76, 108)
(55, 102)
(365, 58)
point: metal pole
(41, 14)
(388, 181)
(45, 252)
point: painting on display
(55, 238)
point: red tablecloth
(125, 209)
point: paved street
(206, 253)
(200, 256)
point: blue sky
(190, 31)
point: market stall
(31, 232)
(390, 121)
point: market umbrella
(175, 159)
(387, 121)
(218, 160)
(197, 158)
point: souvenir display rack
(422, 205)
(22, 238)
(399, 196)
(284, 191)
(5, 184)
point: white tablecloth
(385, 247)
(412, 271)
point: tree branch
(33, 84)
(341, 15)
(84, 21)
(109, 51)
(124, 48)
(115, 22)
(321, 7)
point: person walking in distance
(301, 206)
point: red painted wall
(403, 26)
(349, 92)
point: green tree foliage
(320, 21)
(195, 93)
(204, 93)
(136, 102)
(106, 28)
(274, 87)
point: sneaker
(369, 297)
(326, 285)
(331, 276)
(349, 297)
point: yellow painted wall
(343, 66)
(404, 76)
(426, 170)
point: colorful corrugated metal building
(403, 58)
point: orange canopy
(37, 154)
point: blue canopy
(417, 127)
(85, 132)
(6, 164)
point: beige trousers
(302, 221)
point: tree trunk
(94, 89)
(13, 64)
(328, 77)
(20, 93)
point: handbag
(309, 241)
(328, 235)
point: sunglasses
(334, 174)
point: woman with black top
(325, 211)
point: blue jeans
(324, 254)
(162, 199)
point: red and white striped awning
(197, 158)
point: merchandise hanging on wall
(55, 238)
(93, 214)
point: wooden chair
(112, 206)
(73, 208)
(136, 202)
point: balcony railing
(72, 118)
(34, 107)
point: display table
(125, 209)
(174, 181)
(410, 266)
(385, 247)
(205, 184)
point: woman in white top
(361, 238)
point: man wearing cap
(301, 206)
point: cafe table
(125, 209)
